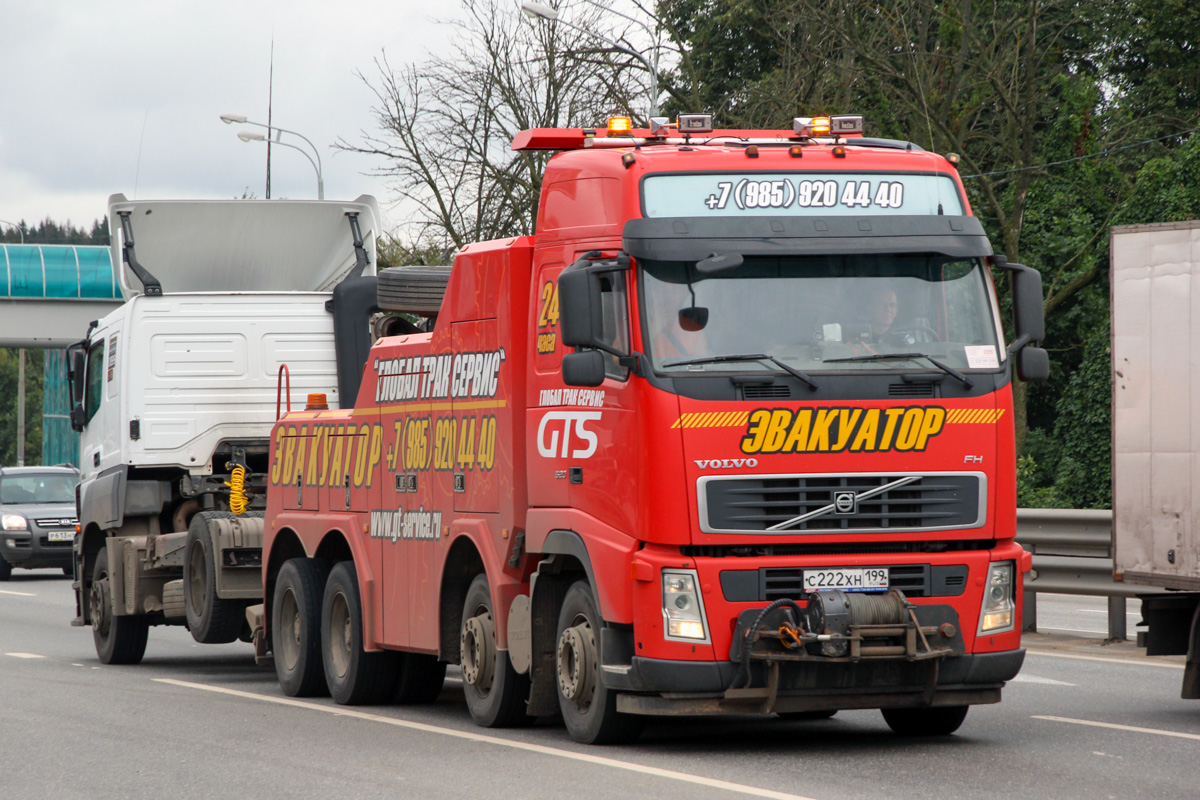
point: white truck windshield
(811, 312)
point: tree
(445, 125)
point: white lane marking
(24, 655)
(18, 594)
(1114, 726)
(1023, 678)
(1136, 662)
(343, 711)
(1071, 630)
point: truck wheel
(119, 640)
(210, 619)
(5, 569)
(420, 679)
(296, 626)
(354, 676)
(941, 721)
(589, 708)
(495, 693)
(412, 290)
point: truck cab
(175, 393)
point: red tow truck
(731, 432)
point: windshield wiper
(951, 371)
(746, 357)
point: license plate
(865, 579)
(61, 536)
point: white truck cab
(176, 391)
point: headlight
(998, 612)
(14, 522)
(683, 610)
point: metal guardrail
(1073, 554)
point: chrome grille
(792, 504)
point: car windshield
(820, 313)
(38, 488)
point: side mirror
(1033, 364)
(580, 316)
(76, 372)
(584, 368)
(1028, 315)
(78, 418)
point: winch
(833, 626)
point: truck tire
(495, 693)
(420, 679)
(5, 569)
(940, 721)
(412, 290)
(119, 640)
(296, 626)
(589, 708)
(210, 619)
(354, 676)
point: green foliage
(9, 373)
(50, 232)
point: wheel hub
(577, 664)
(478, 651)
(98, 597)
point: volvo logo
(845, 502)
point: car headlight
(14, 522)
(683, 609)
(998, 612)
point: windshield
(811, 311)
(38, 488)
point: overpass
(49, 293)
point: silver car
(37, 518)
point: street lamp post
(537, 10)
(250, 136)
(20, 378)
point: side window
(94, 391)
(615, 307)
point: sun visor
(696, 238)
(242, 245)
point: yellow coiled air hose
(238, 501)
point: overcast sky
(104, 96)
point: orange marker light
(317, 402)
(821, 126)
(839, 151)
(619, 126)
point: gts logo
(727, 463)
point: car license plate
(62, 536)
(865, 579)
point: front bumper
(655, 686)
(32, 549)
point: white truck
(175, 394)
(1156, 431)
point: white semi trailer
(175, 394)
(1156, 430)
